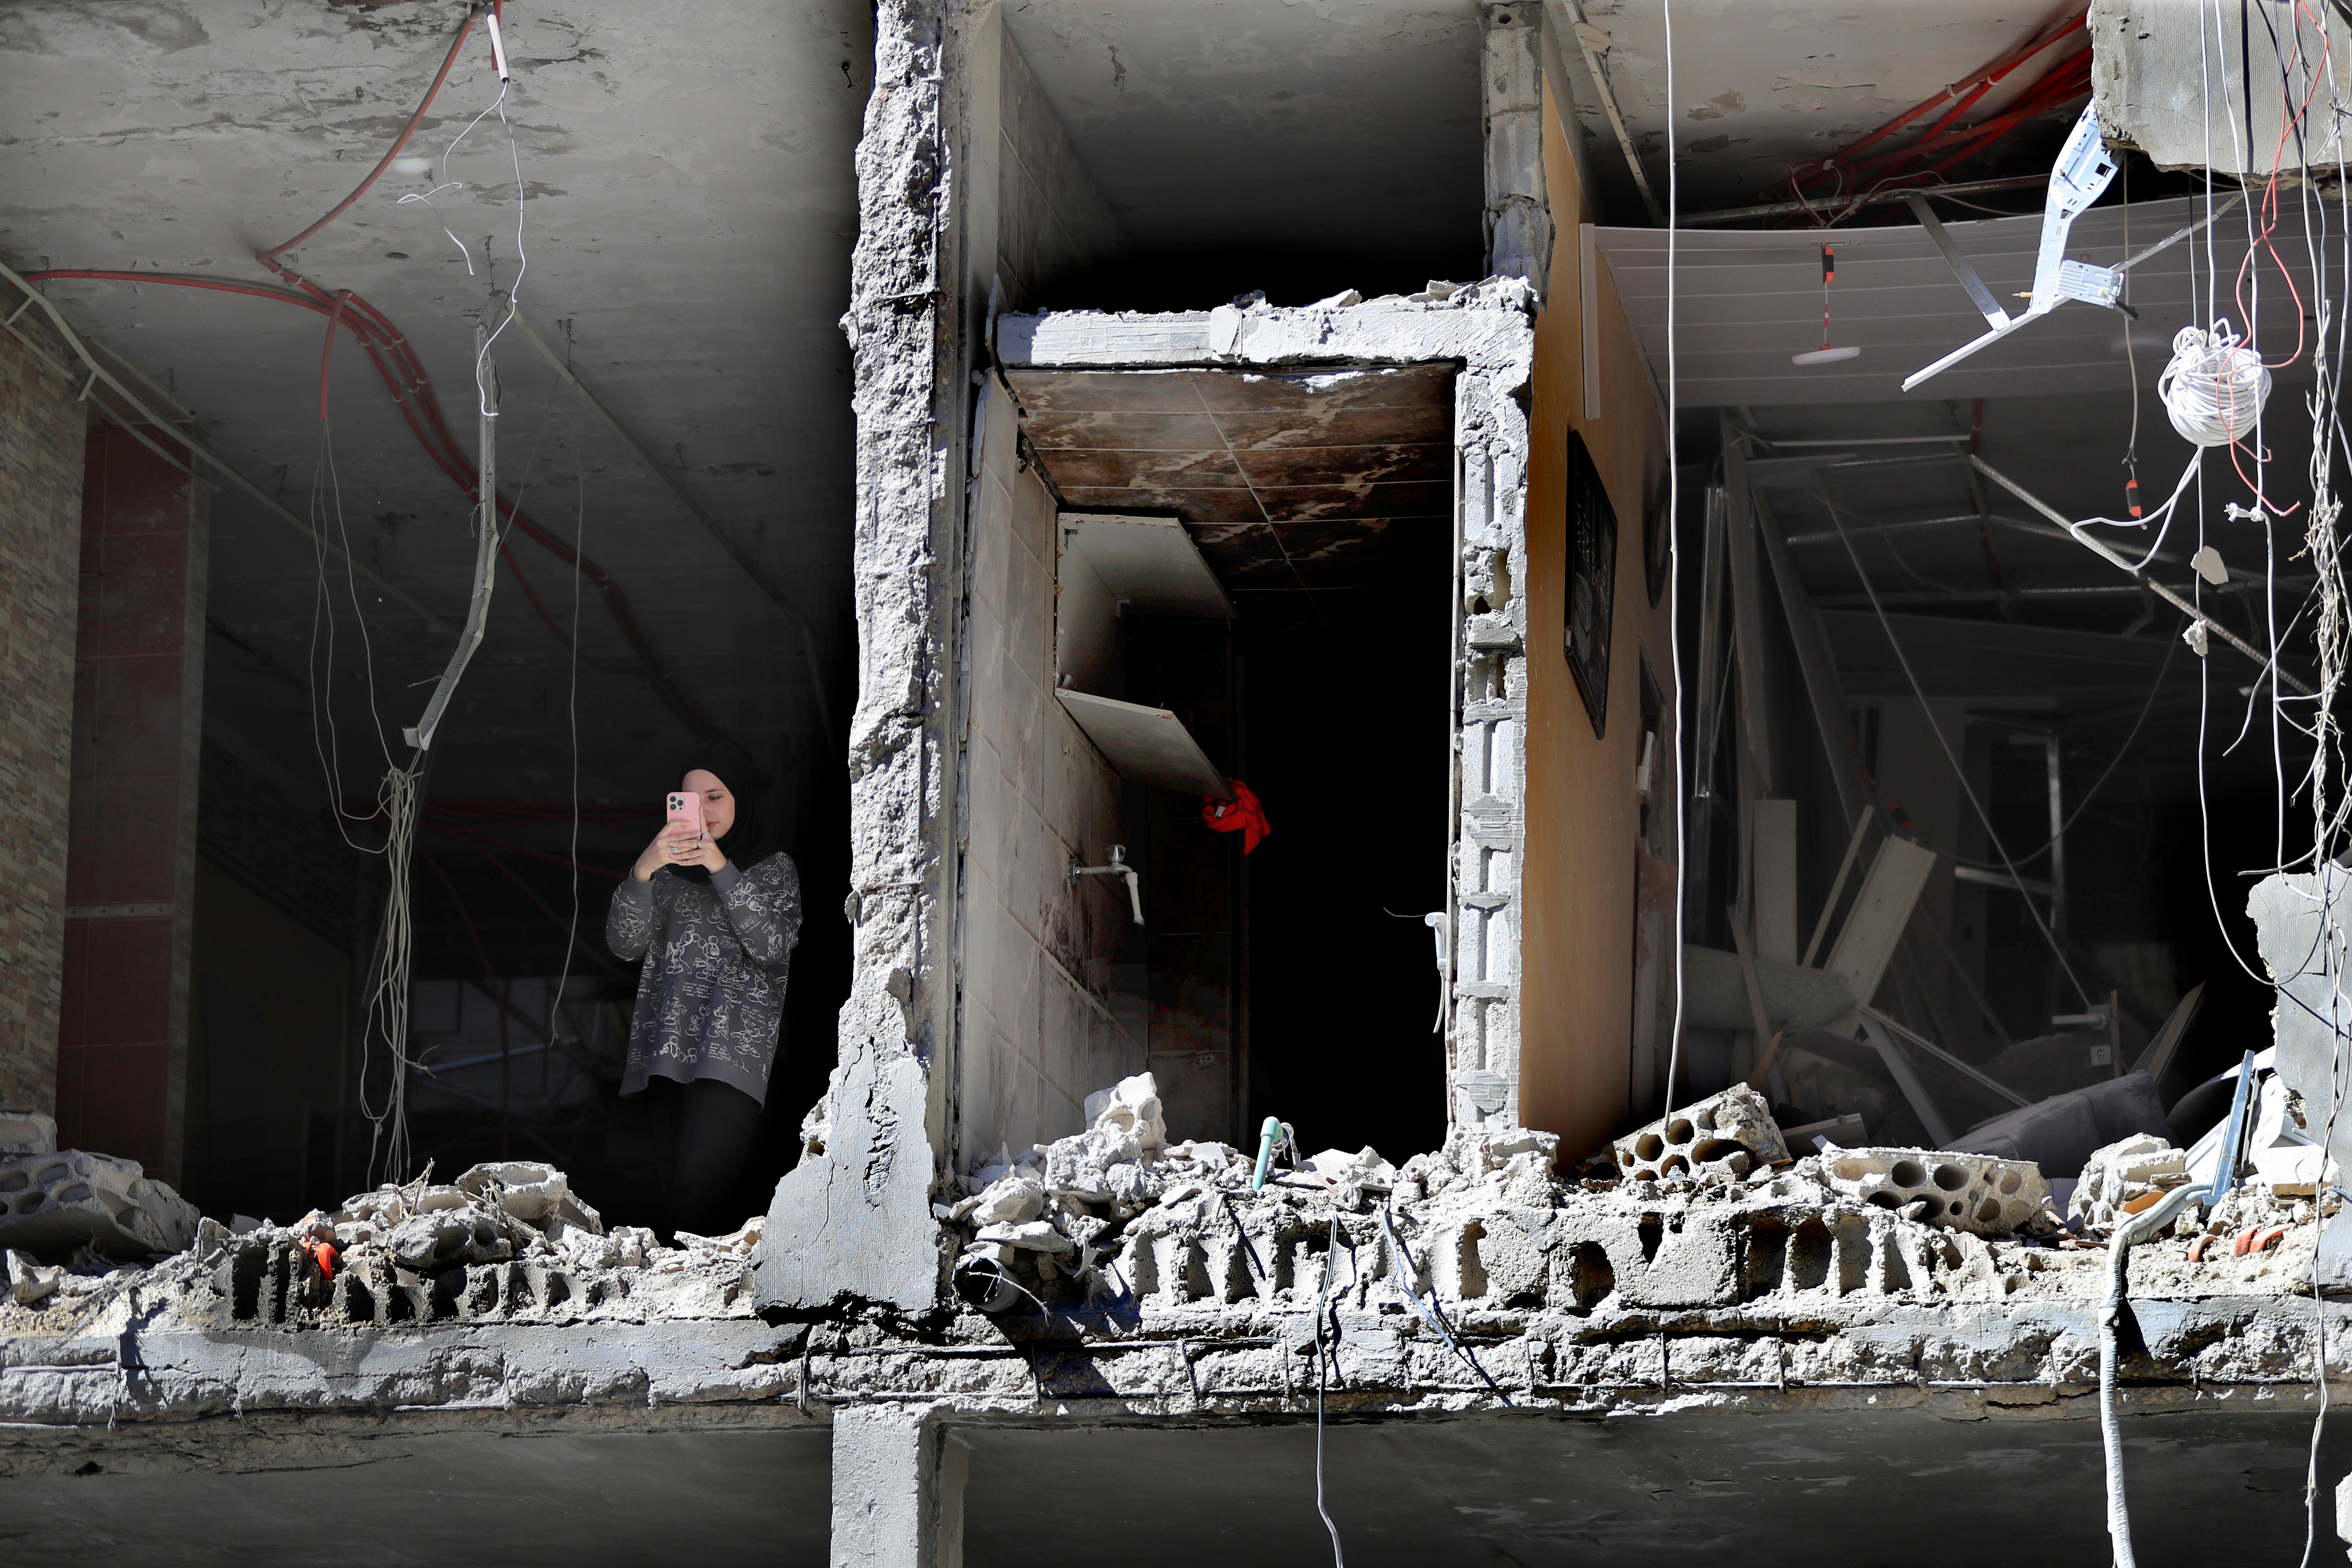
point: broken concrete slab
(1133, 1107)
(1723, 1137)
(2127, 1176)
(28, 1282)
(854, 1222)
(1975, 1193)
(52, 1202)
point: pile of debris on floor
(1705, 1206)
(85, 1213)
(506, 1238)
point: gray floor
(757, 1498)
(1851, 1489)
(1827, 1490)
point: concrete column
(1518, 213)
(130, 847)
(897, 1489)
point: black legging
(716, 1124)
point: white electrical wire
(386, 1002)
(2215, 387)
(1674, 567)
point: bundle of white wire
(2215, 387)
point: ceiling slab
(1759, 88)
(687, 205)
(1350, 127)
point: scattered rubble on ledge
(506, 1239)
(1114, 1223)
(1705, 1209)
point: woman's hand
(677, 845)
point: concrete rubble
(1973, 1193)
(1105, 1278)
(1720, 1138)
(1092, 1228)
(53, 1200)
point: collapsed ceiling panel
(1955, 658)
(1329, 481)
(1744, 304)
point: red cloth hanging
(1241, 815)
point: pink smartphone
(686, 806)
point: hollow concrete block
(1725, 1137)
(1975, 1193)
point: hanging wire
(1675, 560)
(1992, 836)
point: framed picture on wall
(1591, 557)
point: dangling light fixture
(1825, 355)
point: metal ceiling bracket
(2079, 177)
(1993, 314)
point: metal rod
(1784, 209)
(2178, 235)
(485, 552)
(1985, 878)
(1616, 121)
(1776, 444)
(1907, 1077)
(1991, 308)
(2057, 834)
(1837, 887)
(2099, 547)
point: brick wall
(40, 536)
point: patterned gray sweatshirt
(711, 992)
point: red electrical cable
(327, 354)
(378, 337)
(455, 44)
(1858, 173)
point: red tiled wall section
(40, 530)
(129, 877)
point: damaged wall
(1048, 218)
(967, 187)
(41, 436)
(1584, 889)
(1032, 1035)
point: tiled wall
(40, 526)
(1037, 1033)
(1050, 217)
(130, 861)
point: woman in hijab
(714, 915)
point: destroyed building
(1578, 757)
